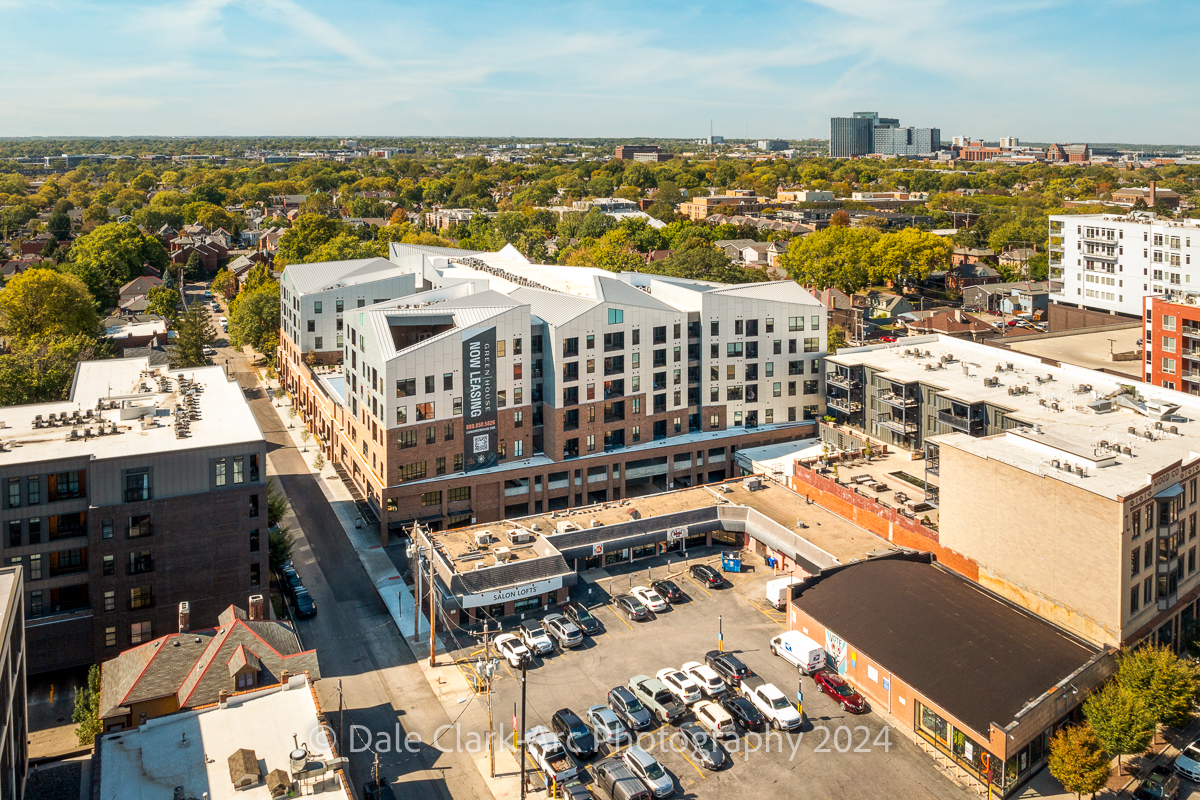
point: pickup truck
(774, 705)
(657, 698)
(549, 754)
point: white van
(777, 591)
(799, 650)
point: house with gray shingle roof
(190, 669)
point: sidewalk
(445, 679)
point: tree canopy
(111, 256)
(1078, 760)
(42, 304)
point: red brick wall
(887, 523)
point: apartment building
(14, 715)
(896, 141)
(1075, 497)
(1109, 262)
(701, 207)
(491, 390)
(144, 489)
(1171, 344)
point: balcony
(898, 425)
(898, 400)
(969, 425)
(842, 381)
(844, 405)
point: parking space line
(701, 588)
(703, 777)
(618, 616)
(780, 621)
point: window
(35, 529)
(737, 327)
(14, 533)
(660, 334)
(413, 471)
(429, 384)
(220, 472)
(518, 419)
(431, 434)
(14, 492)
(500, 348)
(110, 636)
(570, 347)
(312, 326)
(677, 356)
(316, 306)
(769, 327)
(254, 540)
(457, 406)
(458, 462)
(140, 597)
(253, 506)
(106, 529)
(517, 346)
(141, 631)
(1135, 561)
(635, 433)
(615, 316)
(459, 494)
(591, 442)
(431, 499)
(108, 565)
(440, 465)
(35, 603)
(591, 365)
(402, 415)
(660, 357)
(319, 343)
(66, 486)
(1168, 322)
(33, 491)
(570, 371)
(406, 387)
(795, 323)
(812, 344)
(339, 306)
(517, 371)
(518, 448)
(406, 439)
(448, 431)
(425, 411)
(811, 387)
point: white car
(535, 638)
(650, 598)
(680, 685)
(208, 351)
(224, 322)
(1187, 763)
(509, 645)
(706, 678)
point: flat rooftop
(945, 636)
(136, 407)
(148, 762)
(1089, 350)
(1062, 406)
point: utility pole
(341, 717)
(487, 660)
(417, 550)
(432, 598)
(524, 666)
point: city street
(353, 633)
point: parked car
(649, 771)
(888, 339)
(563, 631)
(549, 754)
(207, 294)
(728, 666)
(535, 638)
(707, 575)
(650, 598)
(657, 698)
(717, 720)
(842, 692)
(617, 782)
(575, 790)
(578, 738)
(291, 581)
(679, 684)
(578, 613)
(629, 709)
(772, 703)
(802, 652)
(744, 713)
(510, 646)
(667, 590)
(305, 606)
(706, 678)
(1139, 342)
(1160, 784)
(631, 607)
(1187, 763)
(606, 725)
(208, 351)
(224, 322)
(703, 746)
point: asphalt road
(383, 688)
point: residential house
(733, 247)
(964, 255)
(189, 669)
(977, 273)
(952, 322)
(34, 246)
(1017, 257)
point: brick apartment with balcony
(152, 495)
(1171, 342)
(605, 386)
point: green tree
(277, 504)
(1078, 760)
(41, 369)
(344, 247)
(193, 332)
(1121, 720)
(279, 547)
(1161, 679)
(307, 233)
(44, 304)
(836, 256)
(698, 259)
(86, 714)
(225, 284)
(111, 256)
(836, 340)
(59, 226)
(152, 218)
(907, 257)
(163, 301)
(194, 267)
(595, 223)
(254, 318)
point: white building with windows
(1109, 262)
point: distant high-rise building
(772, 145)
(850, 137)
(895, 141)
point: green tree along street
(836, 256)
(1164, 682)
(86, 714)
(164, 301)
(254, 317)
(44, 304)
(111, 256)
(193, 332)
(1123, 724)
(224, 284)
(1078, 760)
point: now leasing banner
(481, 434)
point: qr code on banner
(480, 444)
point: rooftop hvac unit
(518, 536)
(1175, 429)
(1079, 471)
(1010, 366)
(483, 537)
(1132, 430)
(596, 523)
(1010, 391)
(502, 554)
(1127, 450)
(999, 368)
(1055, 463)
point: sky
(1040, 70)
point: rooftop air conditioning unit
(483, 537)
(502, 554)
(518, 536)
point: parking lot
(836, 753)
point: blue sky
(1041, 70)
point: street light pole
(524, 666)
(720, 635)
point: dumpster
(731, 562)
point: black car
(667, 590)
(291, 581)
(707, 575)
(305, 606)
(575, 790)
(574, 734)
(629, 709)
(631, 607)
(578, 613)
(744, 712)
(703, 746)
(729, 667)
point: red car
(842, 693)
(887, 338)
